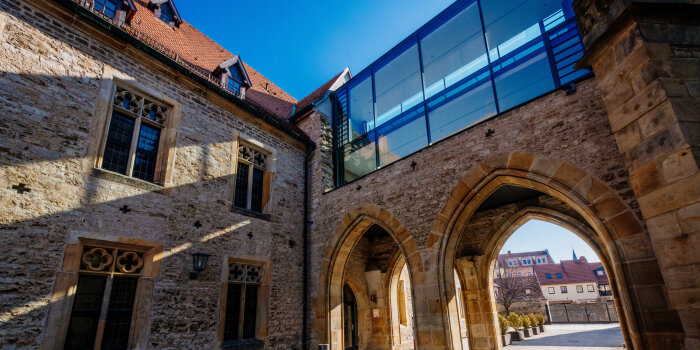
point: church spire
(574, 252)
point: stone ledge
(126, 180)
(254, 214)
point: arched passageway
(487, 207)
(367, 287)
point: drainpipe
(307, 222)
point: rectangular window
(600, 273)
(121, 303)
(398, 85)
(401, 137)
(563, 289)
(551, 290)
(559, 275)
(233, 86)
(242, 301)
(548, 276)
(250, 184)
(590, 288)
(132, 143)
(107, 7)
(98, 287)
(529, 273)
(579, 289)
(85, 313)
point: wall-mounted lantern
(199, 263)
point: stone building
(521, 263)
(158, 192)
(569, 281)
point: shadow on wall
(44, 133)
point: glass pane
(250, 312)
(398, 85)
(85, 313)
(359, 158)
(241, 196)
(522, 82)
(256, 196)
(512, 24)
(451, 116)
(233, 312)
(146, 153)
(121, 304)
(116, 156)
(361, 109)
(401, 137)
(454, 51)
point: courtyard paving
(574, 337)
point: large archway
(562, 194)
(368, 253)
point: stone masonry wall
(573, 128)
(49, 81)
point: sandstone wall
(50, 75)
(573, 128)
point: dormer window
(233, 76)
(233, 86)
(166, 13)
(106, 7)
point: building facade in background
(159, 192)
(521, 264)
(570, 281)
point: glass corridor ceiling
(474, 60)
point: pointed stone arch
(609, 218)
(328, 321)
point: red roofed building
(570, 281)
(520, 264)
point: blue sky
(300, 45)
(540, 235)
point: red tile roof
(191, 45)
(572, 271)
(601, 279)
(318, 93)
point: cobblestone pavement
(574, 337)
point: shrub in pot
(533, 323)
(526, 325)
(504, 325)
(517, 324)
(541, 320)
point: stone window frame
(66, 283)
(240, 138)
(551, 290)
(100, 129)
(263, 305)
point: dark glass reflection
(361, 109)
(398, 85)
(401, 137)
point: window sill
(126, 180)
(243, 344)
(248, 212)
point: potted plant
(505, 325)
(517, 324)
(540, 318)
(526, 325)
(533, 323)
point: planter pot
(517, 335)
(506, 339)
(541, 328)
(527, 332)
(535, 331)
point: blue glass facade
(473, 61)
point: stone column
(646, 58)
(479, 308)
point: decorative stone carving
(129, 262)
(97, 259)
(127, 100)
(253, 156)
(242, 273)
(133, 102)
